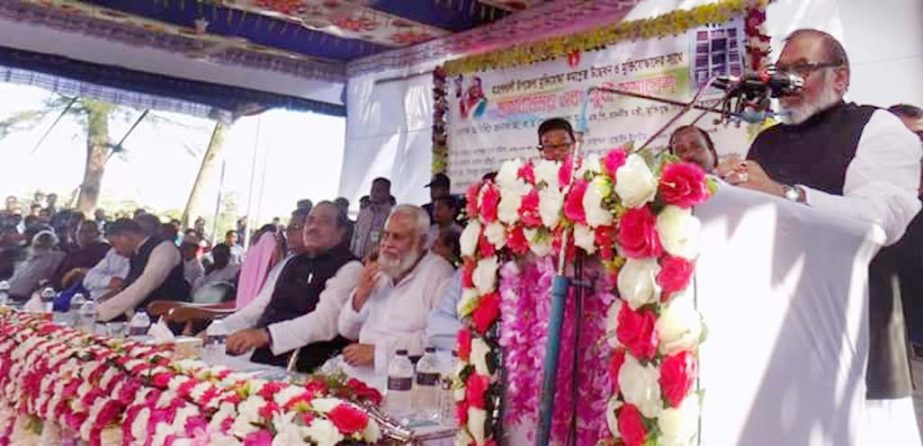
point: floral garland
(673, 23)
(58, 383)
(757, 44)
(635, 215)
(440, 110)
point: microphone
(761, 83)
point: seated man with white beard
(388, 310)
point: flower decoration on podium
(635, 351)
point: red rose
(605, 240)
(565, 170)
(573, 203)
(677, 373)
(527, 172)
(485, 247)
(307, 418)
(475, 389)
(259, 438)
(517, 241)
(638, 234)
(571, 252)
(636, 332)
(467, 275)
(464, 344)
(486, 312)
(631, 426)
(528, 210)
(271, 388)
(269, 409)
(461, 412)
(683, 184)
(615, 364)
(613, 160)
(490, 199)
(674, 275)
(348, 418)
(471, 199)
(162, 379)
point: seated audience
(169, 232)
(91, 249)
(155, 270)
(107, 276)
(439, 187)
(448, 246)
(39, 266)
(443, 324)
(301, 302)
(192, 266)
(445, 209)
(692, 144)
(237, 251)
(220, 271)
(372, 219)
(388, 310)
(343, 204)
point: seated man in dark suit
(300, 303)
(90, 251)
(155, 270)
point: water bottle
(216, 336)
(47, 297)
(427, 385)
(447, 389)
(72, 316)
(399, 395)
(86, 315)
(139, 324)
(4, 293)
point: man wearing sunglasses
(856, 162)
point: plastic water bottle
(426, 384)
(139, 324)
(47, 297)
(72, 315)
(216, 336)
(447, 389)
(4, 293)
(86, 315)
(399, 396)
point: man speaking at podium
(857, 162)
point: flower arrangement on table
(629, 213)
(58, 383)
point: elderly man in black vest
(857, 162)
(155, 270)
(301, 301)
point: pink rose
(464, 344)
(471, 199)
(613, 160)
(677, 373)
(461, 412)
(261, 437)
(528, 210)
(573, 203)
(527, 172)
(674, 275)
(476, 389)
(565, 171)
(486, 312)
(467, 280)
(683, 184)
(490, 200)
(485, 247)
(638, 234)
(605, 241)
(631, 426)
(636, 331)
(348, 419)
(615, 364)
(518, 242)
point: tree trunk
(97, 154)
(212, 154)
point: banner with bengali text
(493, 116)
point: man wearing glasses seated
(556, 139)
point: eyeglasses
(554, 147)
(804, 69)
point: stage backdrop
(494, 115)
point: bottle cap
(401, 352)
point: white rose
(679, 426)
(547, 171)
(611, 420)
(287, 394)
(496, 234)
(679, 231)
(508, 173)
(640, 386)
(485, 275)
(476, 419)
(510, 200)
(597, 190)
(634, 182)
(249, 413)
(183, 415)
(109, 435)
(679, 326)
(585, 238)
(468, 300)
(225, 411)
(612, 322)
(324, 405)
(479, 350)
(287, 431)
(371, 434)
(139, 424)
(468, 241)
(323, 432)
(539, 245)
(589, 164)
(550, 204)
(637, 282)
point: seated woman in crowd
(692, 144)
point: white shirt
(163, 259)
(97, 279)
(226, 274)
(395, 315)
(318, 325)
(881, 180)
(40, 266)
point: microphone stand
(561, 284)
